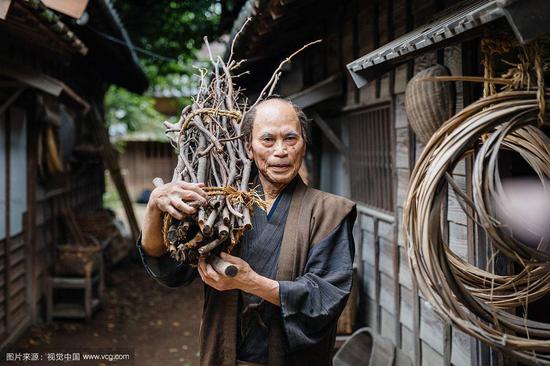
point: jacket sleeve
(165, 269)
(311, 304)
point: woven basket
(98, 223)
(429, 103)
(77, 259)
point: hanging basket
(429, 103)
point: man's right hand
(176, 198)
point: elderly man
(295, 265)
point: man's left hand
(246, 279)
(241, 281)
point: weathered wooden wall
(14, 264)
(395, 308)
(31, 217)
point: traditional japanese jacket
(314, 271)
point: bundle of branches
(475, 300)
(211, 151)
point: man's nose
(280, 148)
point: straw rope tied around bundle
(211, 150)
(479, 301)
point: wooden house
(55, 66)
(146, 156)
(363, 146)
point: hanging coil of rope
(478, 301)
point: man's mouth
(279, 166)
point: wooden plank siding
(83, 191)
(15, 273)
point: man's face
(277, 145)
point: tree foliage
(174, 29)
(170, 32)
(134, 111)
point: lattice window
(371, 172)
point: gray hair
(250, 116)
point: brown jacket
(316, 214)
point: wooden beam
(396, 227)
(110, 157)
(31, 78)
(331, 87)
(355, 44)
(6, 272)
(377, 288)
(32, 176)
(329, 133)
(447, 330)
(11, 99)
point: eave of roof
(55, 24)
(451, 27)
(267, 18)
(117, 23)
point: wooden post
(32, 169)
(395, 205)
(378, 319)
(7, 134)
(110, 157)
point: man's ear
(248, 148)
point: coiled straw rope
(474, 299)
(478, 301)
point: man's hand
(246, 279)
(222, 283)
(175, 198)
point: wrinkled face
(277, 145)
